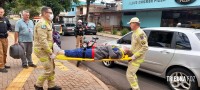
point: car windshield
(70, 25)
(91, 24)
(198, 35)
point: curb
(98, 81)
(109, 35)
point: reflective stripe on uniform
(122, 51)
(43, 59)
(139, 61)
(36, 50)
(134, 85)
(135, 64)
(51, 77)
(48, 50)
(136, 54)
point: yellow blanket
(63, 57)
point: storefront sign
(145, 1)
(185, 1)
(158, 4)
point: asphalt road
(116, 76)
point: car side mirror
(119, 41)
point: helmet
(16, 51)
(80, 21)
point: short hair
(25, 11)
(1, 8)
(44, 9)
(138, 24)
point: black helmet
(16, 51)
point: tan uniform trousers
(131, 74)
(79, 41)
(49, 67)
(3, 51)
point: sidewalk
(68, 76)
(108, 35)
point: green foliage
(99, 28)
(114, 31)
(124, 31)
(34, 6)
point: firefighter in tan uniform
(43, 43)
(139, 46)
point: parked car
(57, 27)
(91, 28)
(173, 52)
(68, 28)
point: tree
(58, 5)
(6, 4)
(32, 5)
(88, 5)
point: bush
(124, 31)
(114, 31)
(99, 29)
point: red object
(93, 51)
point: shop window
(81, 10)
(182, 42)
(187, 18)
(160, 39)
(72, 9)
(129, 13)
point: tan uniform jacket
(43, 36)
(139, 45)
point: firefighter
(4, 27)
(43, 43)
(79, 32)
(139, 47)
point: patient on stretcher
(96, 53)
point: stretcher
(63, 57)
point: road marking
(19, 81)
(61, 66)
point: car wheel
(108, 63)
(63, 34)
(181, 79)
(94, 33)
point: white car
(174, 54)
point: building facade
(107, 15)
(162, 13)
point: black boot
(38, 88)
(55, 88)
(3, 70)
